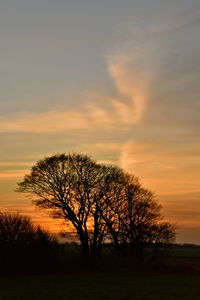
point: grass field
(151, 286)
(166, 283)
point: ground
(124, 286)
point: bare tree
(71, 186)
(23, 245)
(100, 201)
(141, 219)
(15, 228)
(103, 213)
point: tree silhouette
(23, 245)
(72, 187)
(141, 219)
(100, 201)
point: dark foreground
(124, 286)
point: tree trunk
(84, 245)
(115, 238)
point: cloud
(47, 122)
(132, 87)
(37, 216)
(13, 173)
(162, 170)
(14, 163)
(131, 83)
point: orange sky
(118, 80)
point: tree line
(103, 203)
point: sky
(118, 80)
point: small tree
(141, 219)
(16, 229)
(23, 245)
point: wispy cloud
(52, 121)
(132, 87)
(14, 164)
(13, 173)
(162, 170)
(132, 84)
(37, 216)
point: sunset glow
(121, 86)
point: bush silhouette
(25, 247)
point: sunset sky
(118, 80)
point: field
(143, 286)
(177, 278)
